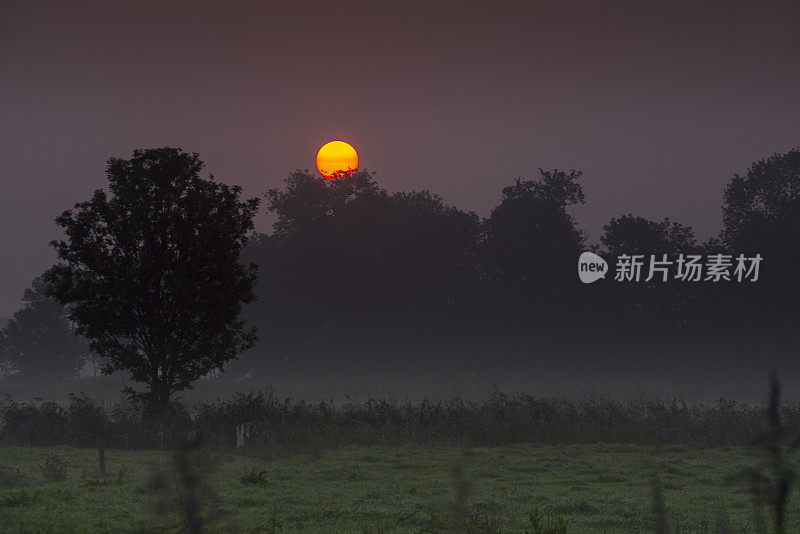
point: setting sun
(336, 158)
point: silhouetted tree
(350, 265)
(151, 271)
(309, 202)
(637, 235)
(555, 187)
(40, 341)
(761, 215)
(531, 245)
(648, 310)
(761, 209)
(315, 267)
(431, 256)
(7, 367)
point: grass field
(603, 488)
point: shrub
(540, 524)
(254, 478)
(53, 467)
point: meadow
(411, 488)
(257, 463)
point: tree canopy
(153, 271)
(39, 341)
(348, 256)
(151, 274)
(761, 215)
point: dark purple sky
(659, 103)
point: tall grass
(499, 420)
(770, 482)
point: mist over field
(359, 292)
(399, 267)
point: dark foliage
(151, 272)
(346, 256)
(39, 341)
(637, 235)
(761, 214)
(353, 275)
(254, 478)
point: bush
(53, 467)
(254, 478)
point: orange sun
(336, 158)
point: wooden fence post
(101, 446)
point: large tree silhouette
(151, 271)
(529, 249)
(350, 266)
(657, 308)
(761, 215)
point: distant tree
(7, 367)
(530, 240)
(761, 215)
(151, 271)
(315, 265)
(432, 247)
(761, 210)
(655, 308)
(637, 235)
(40, 340)
(309, 203)
(350, 264)
(559, 188)
(529, 248)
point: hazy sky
(658, 102)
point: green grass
(604, 488)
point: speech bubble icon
(591, 267)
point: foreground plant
(772, 481)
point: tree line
(164, 278)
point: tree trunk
(159, 393)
